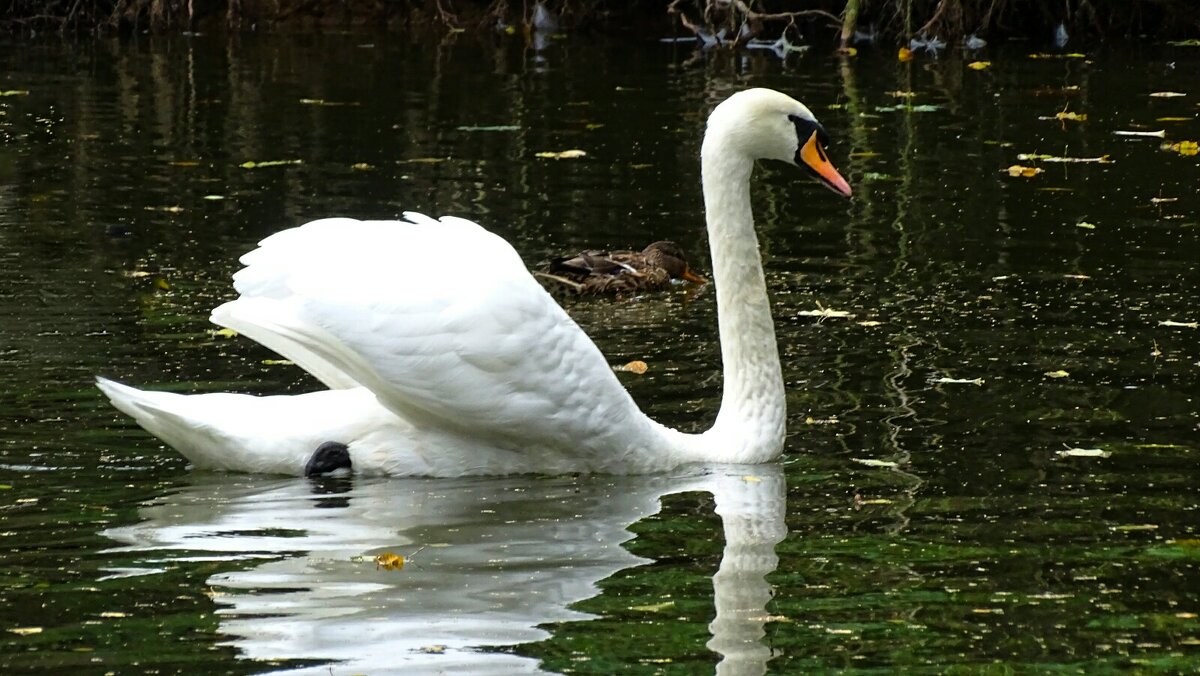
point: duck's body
(434, 374)
(598, 272)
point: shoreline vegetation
(730, 24)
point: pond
(992, 356)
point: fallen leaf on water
(562, 154)
(637, 367)
(222, 333)
(958, 381)
(654, 607)
(433, 649)
(870, 462)
(1085, 225)
(1037, 157)
(162, 284)
(1185, 148)
(1067, 116)
(1161, 133)
(268, 163)
(1179, 325)
(494, 127)
(1167, 95)
(1084, 453)
(824, 421)
(905, 54)
(323, 102)
(1056, 374)
(979, 65)
(825, 313)
(25, 631)
(1017, 170)
(15, 92)
(389, 561)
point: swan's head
(765, 124)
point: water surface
(993, 380)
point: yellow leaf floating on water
(979, 65)
(654, 607)
(1019, 171)
(905, 54)
(1085, 225)
(1073, 117)
(1056, 374)
(269, 163)
(1185, 148)
(15, 92)
(1134, 527)
(572, 154)
(162, 284)
(223, 333)
(389, 561)
(637, 367)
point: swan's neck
(750, 425)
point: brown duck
(595, 272)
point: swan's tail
(165, 415)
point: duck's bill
(813, 157)
(693, 277)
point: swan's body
(434, 374)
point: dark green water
(992, 461)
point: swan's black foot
(328, 457)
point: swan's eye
(805, 128)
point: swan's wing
(383, 304)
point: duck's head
(669, 256)
(766, 124)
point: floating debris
(562, 154)
(1084, 453)
(1161, 133)
(957, 381)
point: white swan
(432, 373)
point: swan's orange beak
(813, 157)
(693, 277)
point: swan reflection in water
(500, 557)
